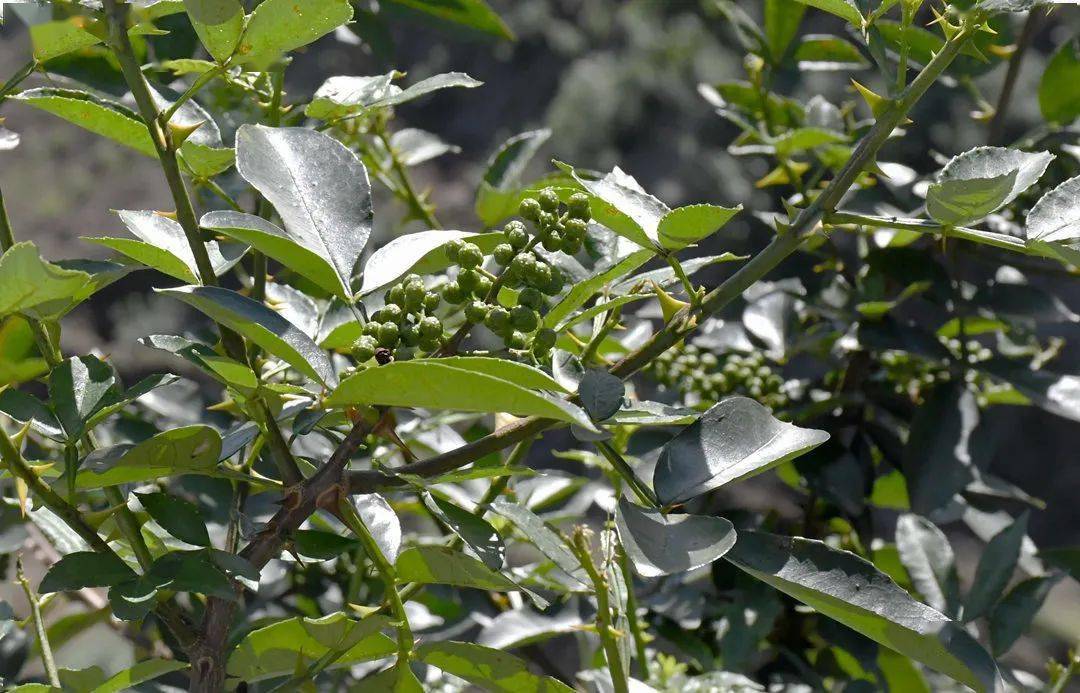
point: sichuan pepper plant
(366, 500)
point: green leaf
(1055, 392)
(279, 26)
(418, 253)
(543, 537)
(187, 450)
(981, 181)
(506, 166)
(601, 394)
(177, 516)
(1065, 557)
(1012, 616)
(271, 240)
(512, 371)
(133, 599)
(85, 569)
(19, 356)
(142, 672)
(735, 439)
(440, 565)
(445, 80)
(262, 326)
(381, 522)
(432, 384)
(53, 39)
(845, 9)
(320, 545)
(191, 571)
(802, 139)
(583, 290)
(475, 14)
(619, 203)
(659, 544)
(850, 590)
(78, 388)
(219, 24)
(1055, 218)
(782, 22)
(35, 287)
(928, 558)
(824, 52)
(493, 670)
(937, 460)
(100, 116)
(343, 95)
(995, 569)
(475, 531)
(688, 225)
(1058, 99)
(318, 187)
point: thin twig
(39, 625)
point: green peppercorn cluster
(915, 377)
(702, 376)
(406, 321)
(533, 278)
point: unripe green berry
(453, 249)
(531, 298)
(545, 338)
(483, 287)
(521, 264)
(414, 297)
(388, 335)
(515, 340)
(467, 280)
(516, 235)
(575, 228)
(453, 293)
(410, 335)
(364, 348)
(538, 275)
(524, 318)
(396, 295)
(390, 313)
(504, 254)
(529, 209)
(430, 328)
(553, 242)
(429, 345)
(412, 279)
(555, 284)
(476, 311)
(470, 256)
(497, 319)
(371, 328)
(431, 301)
(579, 206)
(549, 199)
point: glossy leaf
(1055, 392)
(78, 388)
(474, 14)
(735, 439)
(146, 670)
(493, 670)
(278, 26)
(273, 650)
(1058, 99)
(54, 39)
(619, 203)
(423, 252)
(474, 530)
(982, 181)
(318, 187)
(35, 287)
(850, 590)
(439, 565)
(688, 225)
(582, 291)
(85, 569)
(1055, 218)
(537, 532)
(177, 516)
(845, 9)
(824, 52)
(262, 326)
(659, 544)
(937, 458)
(219, 24)
(601, 394)
(996, 566)
(186, 450)
(342, 95)
(432, 384)
(926, 554)
(381, 521)
(503, 174)
(100, 116)
(1012, 616)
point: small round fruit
(410, 335)
(476, 311)
(453, 293)
(371, 328)
(549, 200)
(504, 254)
(429, 345)
(529, 209)
(521, 264)
(430, 328)
(575, 228)
(391, 313)
(431, 301)
(545, 338)
(483, 287)
(531, 298)
(538, 275)
(467, 280)
(497, 319)
(453, 249)
(516, 234)
(388, 335)
(553, 242)
(364, 348)
(396, 295)
(555, 284)
(515, 340)
(470, 256)
(579, 205)
(524, 318)
(414, 297)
